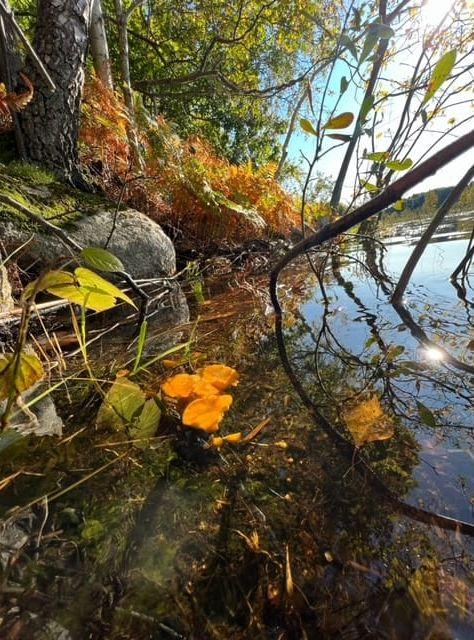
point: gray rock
(41, 419)
(52, 630)
(12, 539)
(6, 300)
(141, 244)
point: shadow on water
(280, 538)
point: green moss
(42, 193)
(31, 172)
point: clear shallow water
(280, 538)
(350, 344)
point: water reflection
(347, 344)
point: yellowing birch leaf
(96, 284)
(341, 121)
(308, 127)
(368, 422)
(440, 74)
(29, 372)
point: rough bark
(99, 46)
(51, 123)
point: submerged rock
(41, 419)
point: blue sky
(351, 100)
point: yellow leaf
(341, 121)
(84, 287)
(308, 127)
(207, 413)
(368, 422)
(29, 372)
(220, 376)
(96, 284)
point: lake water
(279, 538)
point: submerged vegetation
(184, 451)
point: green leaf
(371, 188)
(399, 205)
(369, 44)
(340, 121)
(366, 107)
(378, 156)
(349, 44)
(381, 31)
(344, 84)
(125, 407)
(400, 165)
(426, 415)
(140, 345)
(122, 403)
(308, 127)
(146, 424)
(29, 372)
(370, 341)
(440, 73)
(101, 259)
(343, 137)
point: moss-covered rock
(89, 219)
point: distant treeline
(428, 201)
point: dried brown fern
(12, 102)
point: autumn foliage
(200, 198)
(11, 102)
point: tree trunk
(122, 21)
(99, 46)
(51, 123)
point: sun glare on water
(433, 354)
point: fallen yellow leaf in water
(220, 376)
(206, 413)
(368, 422)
